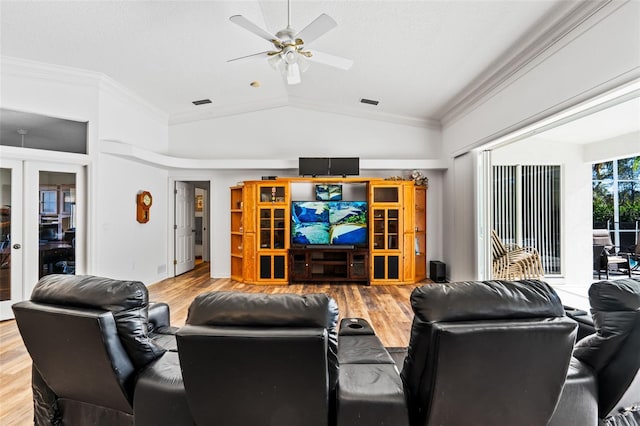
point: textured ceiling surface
(412, 56)
(415, 57)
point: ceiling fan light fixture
(293, 73)
(290, 56)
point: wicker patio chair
(511, 262)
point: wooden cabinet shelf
(328, 265)
(260, 234)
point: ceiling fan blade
(321, 25)
(250, 26)
(259, 55)
(331, 60)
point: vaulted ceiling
(419, 59)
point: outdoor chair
(605, 257)
(511, 262)
(634, 255)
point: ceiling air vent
(369, 101)
(202, 102)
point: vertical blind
(526, 210)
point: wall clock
(144, 201)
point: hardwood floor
(387, 309)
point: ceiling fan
(291, 56)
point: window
(616, 199)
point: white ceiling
(417, 58)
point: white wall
(623, 146)
(127, 249)
(289, 133)
(577, 208)
(129, 119)
(459, 219)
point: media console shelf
(328, 264)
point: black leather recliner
(89, 337)
(486, 353)
(603, 384)
(258, 359)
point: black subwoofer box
(437, 271)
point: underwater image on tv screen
(348, 222)
(309, 222)
(329, 222)
(329, 192)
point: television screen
(309, 222)
(329, 192)
(329, 222)
(348, 223)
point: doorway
(41, 230)
(191, 224)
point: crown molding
(78, 77)
(529, 50)
(20, 67)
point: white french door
(184, 227)
(43, 227)
(11, 288)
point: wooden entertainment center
(262, 251)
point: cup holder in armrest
(355, 326)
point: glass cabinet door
(272, 228)
(272, 232)
(386, 229)
(386, 250)
(266, 228)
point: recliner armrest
(159, 316)
(354, 326)
(369, 391)
(371, 394)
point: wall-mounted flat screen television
(329, 192)
(329, 223)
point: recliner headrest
(618, 295)
(482, 300)
(256, 309)
(90, 292)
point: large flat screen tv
(337, 223)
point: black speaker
(437, 271)
(313, 166)
(346, 166)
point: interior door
(184, 226)
(11, 270)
